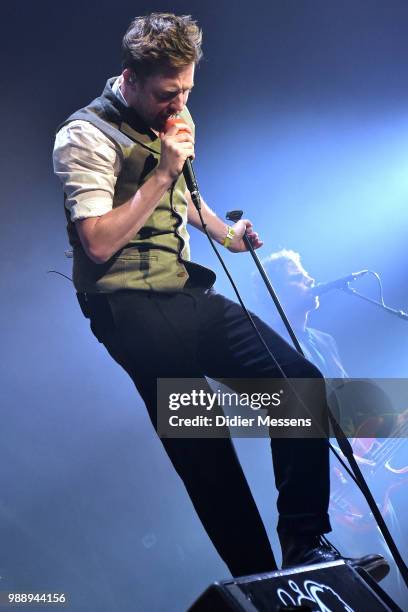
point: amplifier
(324, 587)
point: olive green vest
(155, 259)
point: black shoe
(307, 550)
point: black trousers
(197, 332)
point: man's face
(296, 289)
(161, 95)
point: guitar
(384, 464)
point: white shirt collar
(117, 90)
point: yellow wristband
(228, 238)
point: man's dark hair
(159, 41)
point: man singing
(295, 291)
(155, 311)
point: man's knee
(302, 368)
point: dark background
(301, 115)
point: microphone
(339, 283)
(191, 182)
(188, 170)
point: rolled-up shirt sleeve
(87, 163)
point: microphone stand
(341, 437)
(398, 313)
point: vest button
(181, 274)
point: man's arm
(218, 229)
(88, 164)
(103, 236)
